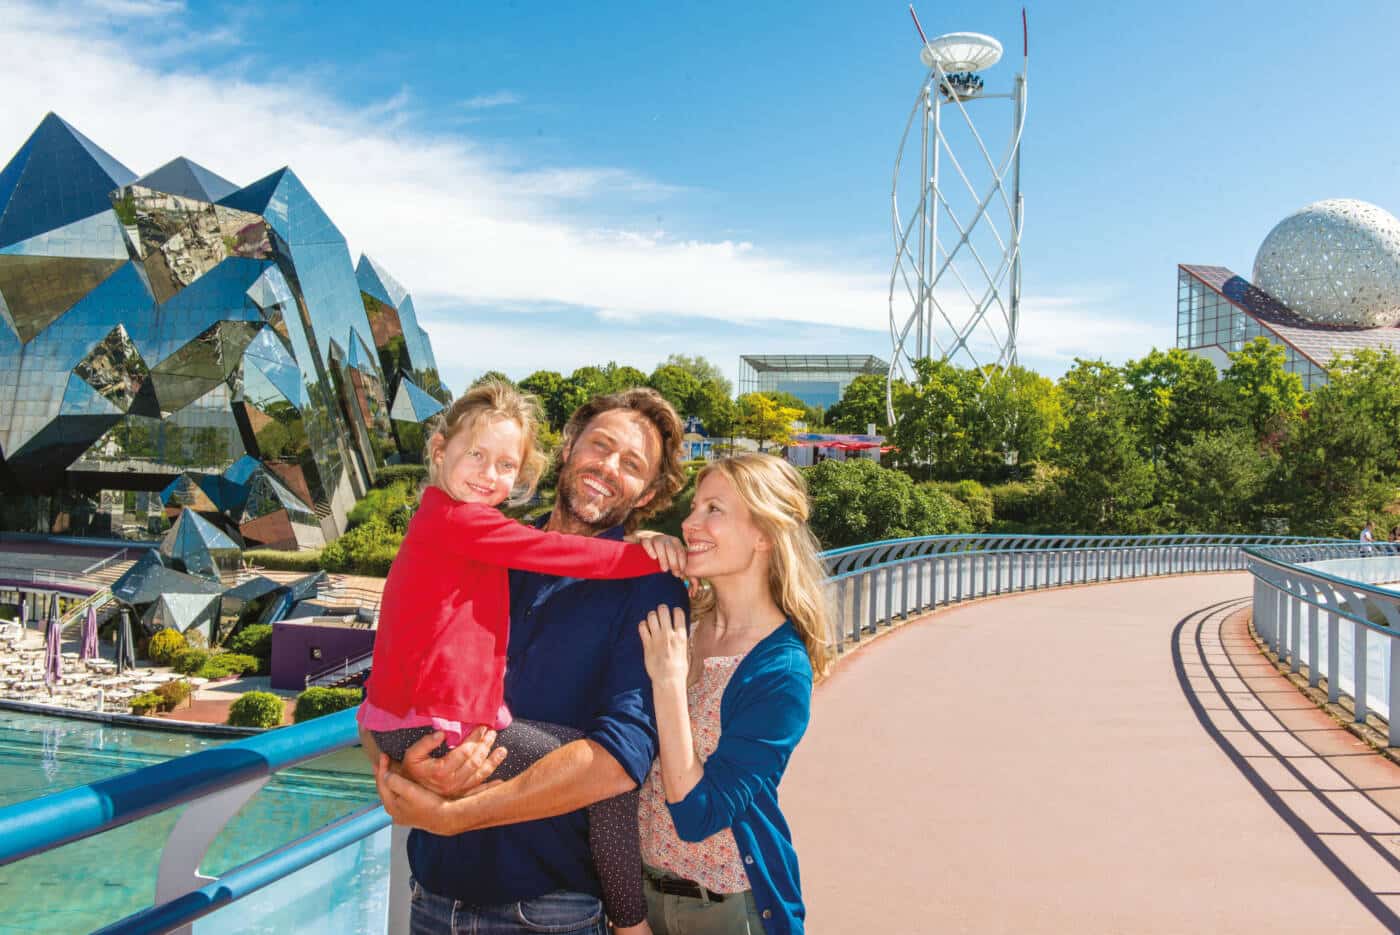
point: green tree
(549, 386)
(493, 375)
(716, 410)
(680, 387)
(860, 501)
(1021, 413)
(701, 369)
(1259, 392)
(1172, 395)
(1343, 461)
(1216, 482)
(863, 402)
(764, 419)
(935, 432)
(1107, 485)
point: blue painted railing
(873, 586)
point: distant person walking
(1368, 537)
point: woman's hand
(410, 804)
(665, 645)
(668, 551)
(463, 768)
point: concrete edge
(132, 720)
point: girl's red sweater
(444, 620)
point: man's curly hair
(652, 406)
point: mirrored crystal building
(173, 340)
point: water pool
(90, 883)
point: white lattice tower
(955, 287)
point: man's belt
(673, 886)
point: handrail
(1290, 584)
(343, 666)
(874, 584)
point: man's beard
(590, 514)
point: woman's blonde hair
(488, 401)
(776, 497)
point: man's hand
(464, 767)
(410, 804)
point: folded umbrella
(89, 648)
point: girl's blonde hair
(776, 496)
(488, 401)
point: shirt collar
(616, 532)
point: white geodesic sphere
(1335, 262)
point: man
(1368, 537)
(514, 856)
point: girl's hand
(668, 551)
(665, 645)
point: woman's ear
(762, 544)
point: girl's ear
(436, 444)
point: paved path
(1111, 758)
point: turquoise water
(91, 883)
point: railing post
(1334, 658)
(1358, 665)
(1295, 635)
(858, 590)
(1314, 676)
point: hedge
(221, 665)
(315, 702)
(189, 661)
(146, 702)
(164, 645)
(392, 473)
(256, 709)
(278, 560)
(255, 640)
(173, 694)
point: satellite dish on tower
(961, 51)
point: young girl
(440, 652)
(732, 702)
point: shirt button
(748, 858)
(768, 913)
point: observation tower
(956, 214)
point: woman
(732, 702)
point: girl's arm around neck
(484, 534)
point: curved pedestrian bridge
(1111, 758)
(1114, 755)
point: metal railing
(1324, 608)
(341, 671)
(873, 586)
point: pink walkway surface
(1112, 758)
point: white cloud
(461, 223)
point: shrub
(256, 709)
(390, 474)
(221, 665)
(277, 560)
(315, 702)
(189, 661)
(859, 501)
(974, 497)
(164, 645)
(146, 702)
(368, 549)
(173, 694)
(255, 640)
(196, 638)
(394, 504)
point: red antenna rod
(920, 28)
(1025, 35)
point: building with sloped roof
(1326, 284)
(175, 340)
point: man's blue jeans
(557, 913)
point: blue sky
(562, 184)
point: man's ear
(644, 499)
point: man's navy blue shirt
(574, 658)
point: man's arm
(572, 777)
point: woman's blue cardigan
(762, 715)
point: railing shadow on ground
(873, 586)
(1339, 798)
